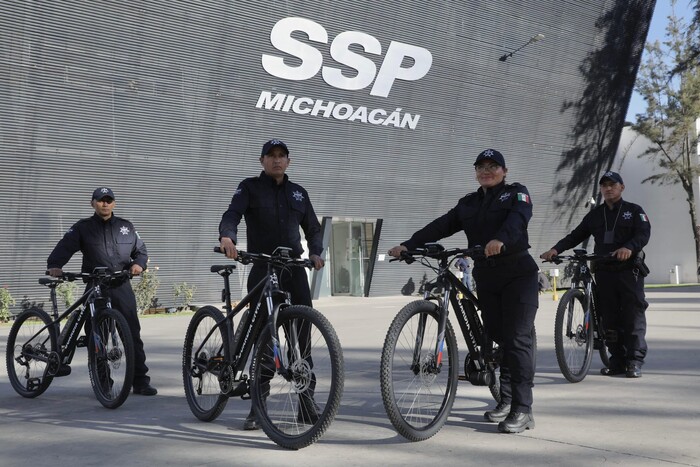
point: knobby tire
(573, 336)
(418, 399)
(312, 381)
(28, 376)
(200, 373)
(111, 363)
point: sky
(657, 31)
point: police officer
(274, 208)
(106, 240)
(496, 216)
(620, 229)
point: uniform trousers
(620, 298)
(508, 296)
(123, 299)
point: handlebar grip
(217, 249)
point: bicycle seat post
(54, 299)
(227, 291)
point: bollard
(554, 288)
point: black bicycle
(578, 326)
(38, 350)
(420, 362)
(296, 379)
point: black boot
(499, 413)
(517, 422)
(251, 421)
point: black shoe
(308, 411)
(63, 370)
(612, 371)
(634, 370)
(517, 422)
(146, 390)
(251, 422)
(499, 413)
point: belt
(496, 261)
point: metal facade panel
(157, 99)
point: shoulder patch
(643, 217)
(524, 197)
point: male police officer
(274, 208)
(620, 229)
(109, 241)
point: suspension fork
(271, 290)
(442, 323)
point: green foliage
(66, 292)
(145, 290)
(669, 82)
(184, 292)
(6, 301)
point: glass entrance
(351, 245)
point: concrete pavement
(650, 421)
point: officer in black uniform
(274, 208)
(620, 229)
(496, 216)
(109, 241)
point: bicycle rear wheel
(111, 358)
(418, 389)
(573, 336)
(31, 364)
(296, 405)
(201, 368)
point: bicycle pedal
(81, 342)
(33, 384)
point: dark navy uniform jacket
(628, 221)
(500, 213)
(273, 214)
(113, 243)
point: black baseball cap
(271, 144)
(612, 176)
(493, 155)
(102, 192)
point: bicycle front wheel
(111, 358)
(296, 391)
(205, 357)
(573, 336)
(418, 386)
(31, 358)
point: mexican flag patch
(524, 198)
(644, 217)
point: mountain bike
(38, 350)
(419, 366)
(296, 376)
(579, 327)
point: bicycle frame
(470, 323)
(274, 298)
(66, 349)
(583, 280)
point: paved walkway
(651, 421)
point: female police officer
(496, 215)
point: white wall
(671, 232)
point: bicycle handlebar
(102, 274)
(581, 256)
(437, 251)
(279, 256)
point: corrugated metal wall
(157, 99)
